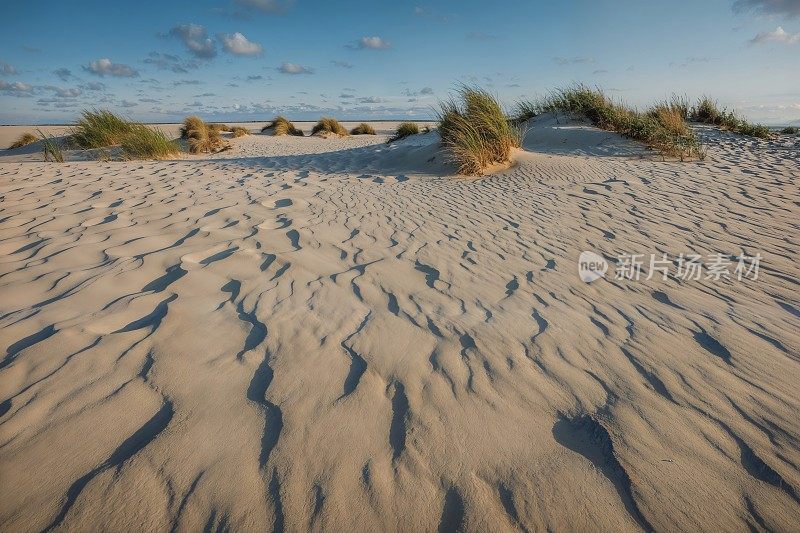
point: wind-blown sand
(337, 334)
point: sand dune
(340, 334)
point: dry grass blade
(143, 142)
(23, 140)
(51, 148)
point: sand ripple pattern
(307, 342)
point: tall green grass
(99, 129)
(23, 140)
(143, 142)
(404, 130)
(476, 131)
(662, 127)
(51, 148)
(707, 111)
(328, 126)
(281, 126)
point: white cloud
(371, 43)
(267, 6)
(293, 68)
(105, 66)
(16, 88)
(238, 44)
(778, 36)
(63, 73)
(196, 39)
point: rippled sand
(338, 334)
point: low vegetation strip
(404, 130)
(281, 126)
(707, 111)
(663, 127)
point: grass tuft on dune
(51, 148)
(790, 130)
(328, 126)
(476, 131)
(23, 140)
(363, 129)
(663, 127)
(707, 111)
(202, 138)
(144, 142)
(281, 126)
(404, 130)
(239, 131)
(99, 128)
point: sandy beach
(339, 334)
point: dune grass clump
(328, 126)
(663, 127)
(404, 130)
(143, 142)
(24, 140)
(99, 129)
(202, 138)
(51, 148)
(475, 130)
(363, 129)
(281, 126)
(707, 111)
(239, 131)
(790, 130)
(222, 128)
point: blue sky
(251, 59)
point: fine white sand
(339, 334)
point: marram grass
(475, 131)
(328, 126)
(363, 129)
(281, 126)
(404, 129)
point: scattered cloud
(7, 70)
(778, 36)
(196, 39)
(238, 44)
(94, 86)
(293, 68)
(370, 43)
(16, 88)
(61, 92)
(425, 12)
(31, 49)
(562, 61)
(204, 95)
(255, 77)
(149, 100)
(186, 82)
(63, 73)
(425, 91)
(370, 100)
(346, 96)
(266, 6)
(341, 64)
(127, 103)
(171, 62)
(600, 71)
(104, 66)
(784, 8)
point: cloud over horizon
(293, 68)
(370, 43)
(104, 66)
